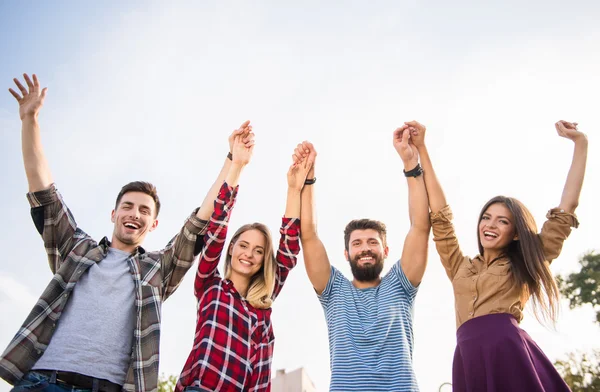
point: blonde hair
(260, 289)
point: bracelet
(310, 181)
(416, 172)
(230, 156)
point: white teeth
(131, 225)
(489, 233)
(245, 262)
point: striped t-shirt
(370, 333)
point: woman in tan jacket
(491, 289)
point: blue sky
(150, 90)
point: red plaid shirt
(233, 344)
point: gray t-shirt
(102, 301)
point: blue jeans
(36, 382)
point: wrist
(581, 139)
(409, 165)
(414, 171)
(30, 117)
(294, 190)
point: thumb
(405, 137)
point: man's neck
(115, 243)
(366, 285)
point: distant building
(294, 381)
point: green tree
(166, 384)
(581, 372)
(583, 287)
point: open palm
(31, 99)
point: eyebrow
(128, 203)
(499, 216)
(258, 246)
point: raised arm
(561, 220)
(245, 131)
(444, 235)
(414, 254)
(30, 102)
(178, 256)
(214, 239)
(289, 246)
(572, 189)
(316, 261)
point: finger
(15, 94)
(44, 91)
(398, 132)
(311, 159)
(20, 86)
(36, 82)
(405, 137)
(29, 82)
(294, 158)
(245, 124)
(248, 137)
(249, 144)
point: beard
(367, 272)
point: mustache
(364, 254)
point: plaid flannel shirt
(233, 343)
(70, 253)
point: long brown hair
(530, 270)
(262, 283)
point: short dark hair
(140, 186)
(364, 224)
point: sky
(151, 90)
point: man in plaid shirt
(97, 324)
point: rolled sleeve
(44, 197)
(445, 240)
(555, 231)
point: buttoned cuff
(43, 197)
(442, 216)
(563, 217)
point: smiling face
(248, 253)
(366, 254)
(133, 218)
(496, 228)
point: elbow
(421, 225)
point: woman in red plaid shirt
(233, 342)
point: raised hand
(417, 133)
(31, 99)
(407, 151)
(245, 130)
(303, 160)
(305, 154)
(242, 152)
(569, 130)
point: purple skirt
(493, 354)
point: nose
(135, 213)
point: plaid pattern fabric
(70, 253)
(233, 343)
